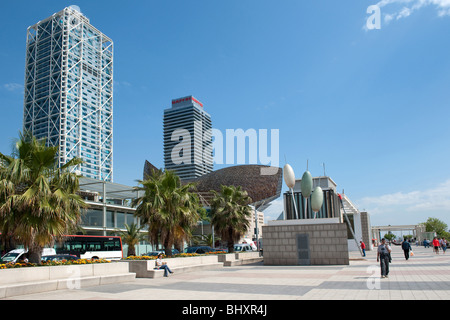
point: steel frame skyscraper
(188, 139)
(69, 90)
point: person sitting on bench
(162, 265)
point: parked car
(15, 255)
(243, 247)
(251, 243)
(152, 253)
(59, 257)
(200, 249)
(155, 253)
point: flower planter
(18, 281)
(20, 275)
(145, 268)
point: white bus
(91, 247)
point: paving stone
(423, 277)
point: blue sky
(373, 105)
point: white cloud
(122, 83)
(421, 204)
(399, 9)
(388, 17)
(13, 86)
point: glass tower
(187, 139)
(69, 90)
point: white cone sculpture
(306, 185)
(289, 179)
(316, 200)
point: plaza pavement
(425, 276)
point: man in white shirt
(383, 256)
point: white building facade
(69, 90)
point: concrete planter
(247, 255)
(191, 261)
(238, 256)
(19, 281)
(241, 258)
(47, 273)
(226, 257)
(145, 268)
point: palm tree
(132, 236)
(204, 240)
(231, 214)
(38, 199)
(168, 208)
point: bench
(146, 268)
(157, 273)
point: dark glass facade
(330, 207)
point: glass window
(112, 245)
(109, 219)
(94, 246)
(120, 216)
(130, 219)
(93, 218)
(352, 223)
(289, 208)
(74, 246)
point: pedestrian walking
(363, 248)
(435, 244)
(383, 256)
(443, 245)
(406, 246)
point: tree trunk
(179, 246)
(35, 254)
(131, 250)
(8, 244)
(168, 247)
(230, 242)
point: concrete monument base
(305, 242)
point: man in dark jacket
(383, 256)
(406, 248)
